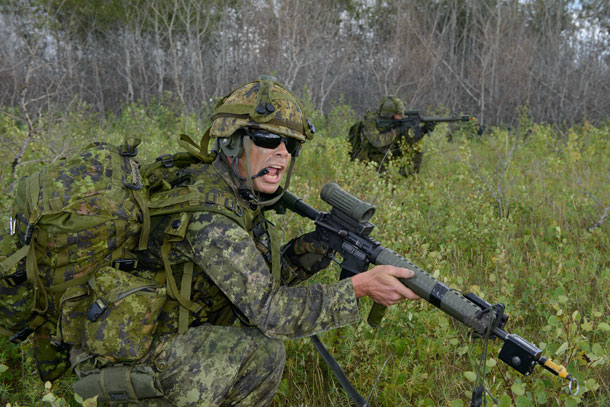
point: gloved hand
(428, 127)
(308, 252)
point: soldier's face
(276, 162)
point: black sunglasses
(265, 139)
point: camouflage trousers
(211, 366)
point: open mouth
(274, 173)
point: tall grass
(518, 216)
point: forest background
(517, 215)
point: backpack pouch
(74, 304)
(121, 317)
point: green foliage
(516, 216)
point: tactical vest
(179, 187)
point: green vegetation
(518, 216)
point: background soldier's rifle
(346, 229)
(421, 125)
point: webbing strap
(10, 262)
(276, 263)
(32, 191)
(40, 292)
(200, 151)
(143, 244)
(112, 379)
(70, 283)
(171, 282)
(190, 197)
(185, 290)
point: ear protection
(232, 146)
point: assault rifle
(346, 229)
(421, 125)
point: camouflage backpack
(67, 264)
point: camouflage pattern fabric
(211, 366)
(220, 366)
(369, 143)
(236, 365)
(233, 260)
(51, 359)
(16, 294)
(70, 218)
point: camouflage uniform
(371, 142)
(239, 274)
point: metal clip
(12, 223)
(572, 381)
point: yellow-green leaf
(518, 389)
(562, 349)
(92, 402)
(470, 376)
(49, 398)
(602, 326)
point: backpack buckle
(16, 278)
(167, 160)
(125, 264)
(135, 186)
(128, 150)
(97, 309)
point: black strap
(339, 374)
(478, 392)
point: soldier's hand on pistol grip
(309, 253)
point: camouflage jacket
(369, 143)
(233, 274)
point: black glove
(428, 127)
(308, 252)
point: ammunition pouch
(119, 384)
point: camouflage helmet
(391, 105)
(263, 104)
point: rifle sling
(338, 372)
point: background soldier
(379, 137)
(243, 282)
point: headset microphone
(262, 172)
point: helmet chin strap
(247, 191)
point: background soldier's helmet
(262, 104)
(391, 105)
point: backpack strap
(12, 260)
(276, 262)
(185, 290)
(175, 232)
